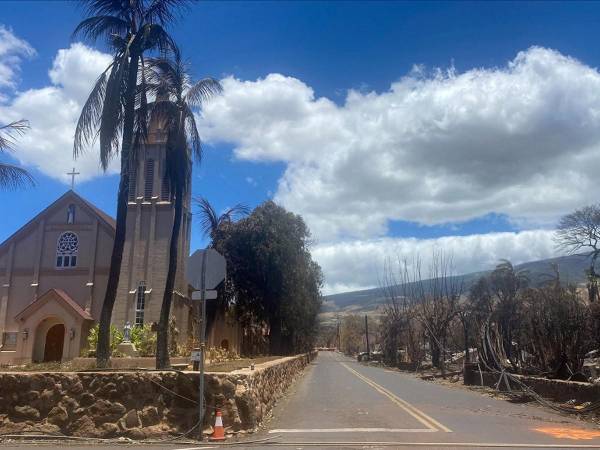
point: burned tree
(422, 308)
(399, 329)
(580, 231)
(505, 283)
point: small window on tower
(71, 213)
(165, 191)
(149, 179)
(132, 181)
(140, 304)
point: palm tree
(116, 107)
(176, 95)
(12, 176)
(211, 221)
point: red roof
(63, 296)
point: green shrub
(116, 337)
(219, 354)
(144, 340)
(173, 337)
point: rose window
(66, 249)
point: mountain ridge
(572, 269)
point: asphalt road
(339, 403)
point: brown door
(55, 338)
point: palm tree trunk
(162, 338)
(103, 347)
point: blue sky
(324, 50)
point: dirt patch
(236, 364)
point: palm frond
(163, 11)
(119, 44)
(209, 219)
(203, 90)
(141, 108)
(104, 27)
(112, 111)
(88, 122)
(161, 71)
(191, 131)
(12, 177)
(124, 9)
(155, 37)
(236, 212)
(178, 164)
(9, 131)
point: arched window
(67, 247)
(140, 304)
(71, 213)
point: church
(54, 270)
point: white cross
(73, 173)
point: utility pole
(367, 334)
(211, 280)
(199, 365)
(338, 335)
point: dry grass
(225, 366)
(237, 364)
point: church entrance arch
(49, 340)
(55, 338)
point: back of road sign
(216, 269)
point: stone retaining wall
(556, 390)
(140, 404)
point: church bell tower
(150, 214)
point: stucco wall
(28, 271)
(140, 404)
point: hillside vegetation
(572, 269)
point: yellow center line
(425, 419)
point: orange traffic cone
(219, 431)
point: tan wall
(33, 270)
(37, 325)
(146, 252)
(24, 256)
(227, 328)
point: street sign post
(206, 270)
(215, 268)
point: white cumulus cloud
(12, 52)
(442, 147)
(53, 111)
(359, 264)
